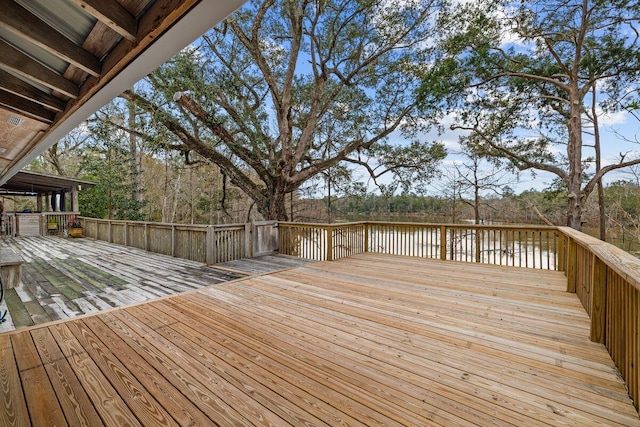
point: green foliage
(107, 163)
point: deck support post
(598, 299)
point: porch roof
(61, 60)
(35, 183)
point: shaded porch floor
(366, 340)
(64, 278)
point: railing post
(126, 233)
(598, 299)
(561, 254)
(366, 237)
(211, 245)
(329, 243)
(147, 238)
(572, 254)
(248, 241)
(109, 232)
(173, 240)
(443, 242)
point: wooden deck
(63, 278)
(366, 340)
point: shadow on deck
(365, 340)
(63, 278)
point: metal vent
(15, 121)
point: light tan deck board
(366, 340)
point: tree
(476, 178)
(63, 157)
(262, 95)
(527, 96)
(107, 162)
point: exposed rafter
(21, 88)
(20, 21)
(21, 64)
(113, 15)
(26, 107)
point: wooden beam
(20, 21)
(19, 87)
(16, 61)
(112, 14)
(160, 16)
(26, 107)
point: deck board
(366, 340)
(63, 278)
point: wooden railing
(56, 223)
(209, 244)
(606, 279)
(533, 247)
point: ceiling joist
(113, 15)
(26, 107)
(16, 61)
(19, 87)
(20, 21)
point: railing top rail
(423, 224)
(166, 224)
(479, 226)
(618, 260)
(320, 224)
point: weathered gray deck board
(68, 277)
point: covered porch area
(369, 339)
(56, 198)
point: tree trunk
(574, 154)
(596, 134)
(136, 196)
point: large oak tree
(283, 90)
